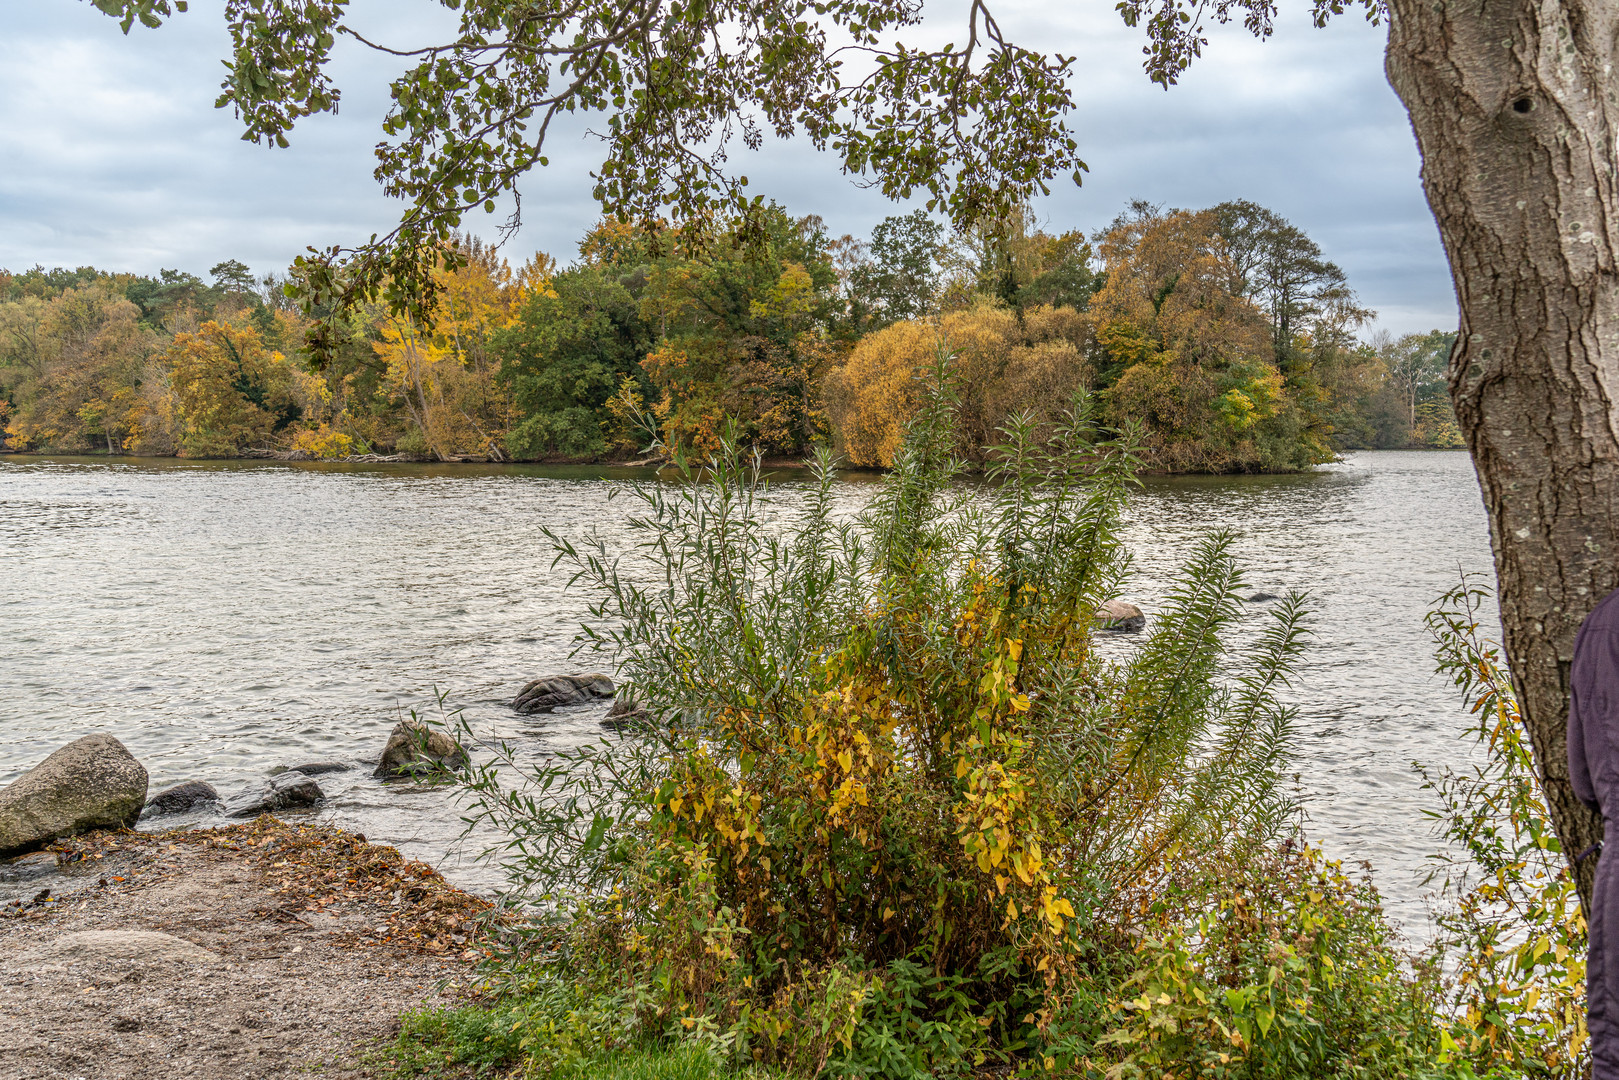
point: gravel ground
(298, 979)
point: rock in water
(626, 712)
(313, 768)
(91, 783)
(543, 695)
(1120, 615)
(284, 792)
(316, 768)
(626, 707)
(181, 797)
(416, 749)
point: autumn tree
(737, 315)
(445, 374)
(1062, 275)
(72, 366)
(1186, 357)
(230, 392)
(1006, 363)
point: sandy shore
(257, 950)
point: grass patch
(463, 1042)
(480, 1041)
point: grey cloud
(114, 155)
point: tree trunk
(1514, 117)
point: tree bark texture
(1514, 105)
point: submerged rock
(414, 749)
(181, 797)
(284, 792)
(1261, 597)
(91, 783)
(313, 768)
(543, 695)
(626, 712)
(1120, 615)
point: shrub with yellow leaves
(1005, 362)
(894, 801)
(323, 443)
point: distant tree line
(1224, 335)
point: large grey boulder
(91, 783)
(180, 798)
(285, 792)
(1120, 615)
(414, 749)
(543, 695)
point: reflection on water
(222, 618)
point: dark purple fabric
(1593, 768)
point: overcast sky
(112, 154)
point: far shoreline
(589, 469)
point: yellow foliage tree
(873, 393)
(445, 376)
(229, 391)
(1004, 365)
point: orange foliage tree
(1189, 359)
(76, 362)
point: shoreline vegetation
(876, 807)
(774, 465)
(889, 815)
(1223, 336)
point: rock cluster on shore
(95, 783)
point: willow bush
(1511, 926)
(895, 814)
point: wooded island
(1223, 334)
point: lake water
(223, 618)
